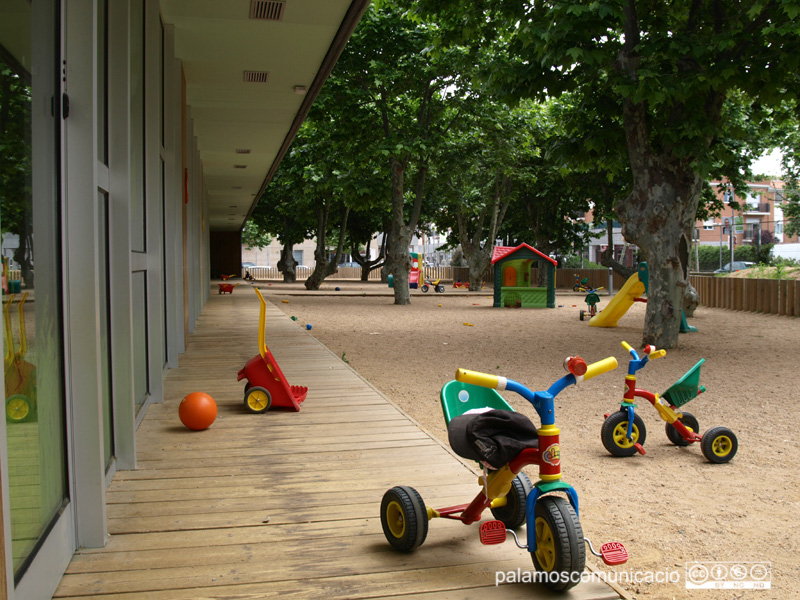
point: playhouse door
(510, 277)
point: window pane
(32, 340)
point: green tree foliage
(399, 100)
(687, 75)
(283, 209)
(15, 166)
(253, 237)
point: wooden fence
(770, 296)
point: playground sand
(669, 507)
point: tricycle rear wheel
(513, 513)
(257, 399)
(719, 445)
(690, 422)
(404, 518)
(560, 550)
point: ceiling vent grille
(242, 150)
(267, 10)
(256, 76)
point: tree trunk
(477, 248)
(287, 263)
(658, 216)
(324, 267)
(478, 263)
(400, 232)
(607, 258)
(367, 266)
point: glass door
(34, 409)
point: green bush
(574, 262)
(710, 259)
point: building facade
(130, 140)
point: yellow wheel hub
(722, 445)
(17, 408)
(621, 435)
(545, 545)
(257, 400)
(395, 519)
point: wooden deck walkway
(285, 504)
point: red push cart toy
(20, 374)
(623, 432)
(555, 537)
(226, 288)
(266, 384)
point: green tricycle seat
(457, 398)
(686, 388)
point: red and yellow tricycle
(555, 538)
(624, 432)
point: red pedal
(640, 449)
(613, 553)
(493, 532)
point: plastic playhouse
(266, 384)
(513, 286)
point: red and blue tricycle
(623, 432)
(555, 538)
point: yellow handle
(657, 354)
(476, 378)
(600, 367)
(627, 346)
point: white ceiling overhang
(243, 128)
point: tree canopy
(684, 76)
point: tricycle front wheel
(690, 422)
(404, 518)
(719, 445)
(257, 399)
(614, 433)
(560, 550)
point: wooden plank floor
(285, 504)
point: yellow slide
(619, 304)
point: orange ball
(197, 411)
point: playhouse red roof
(499, 252)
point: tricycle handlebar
(501, 383)
(482, 379)
(600, 367)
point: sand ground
(669, 507)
